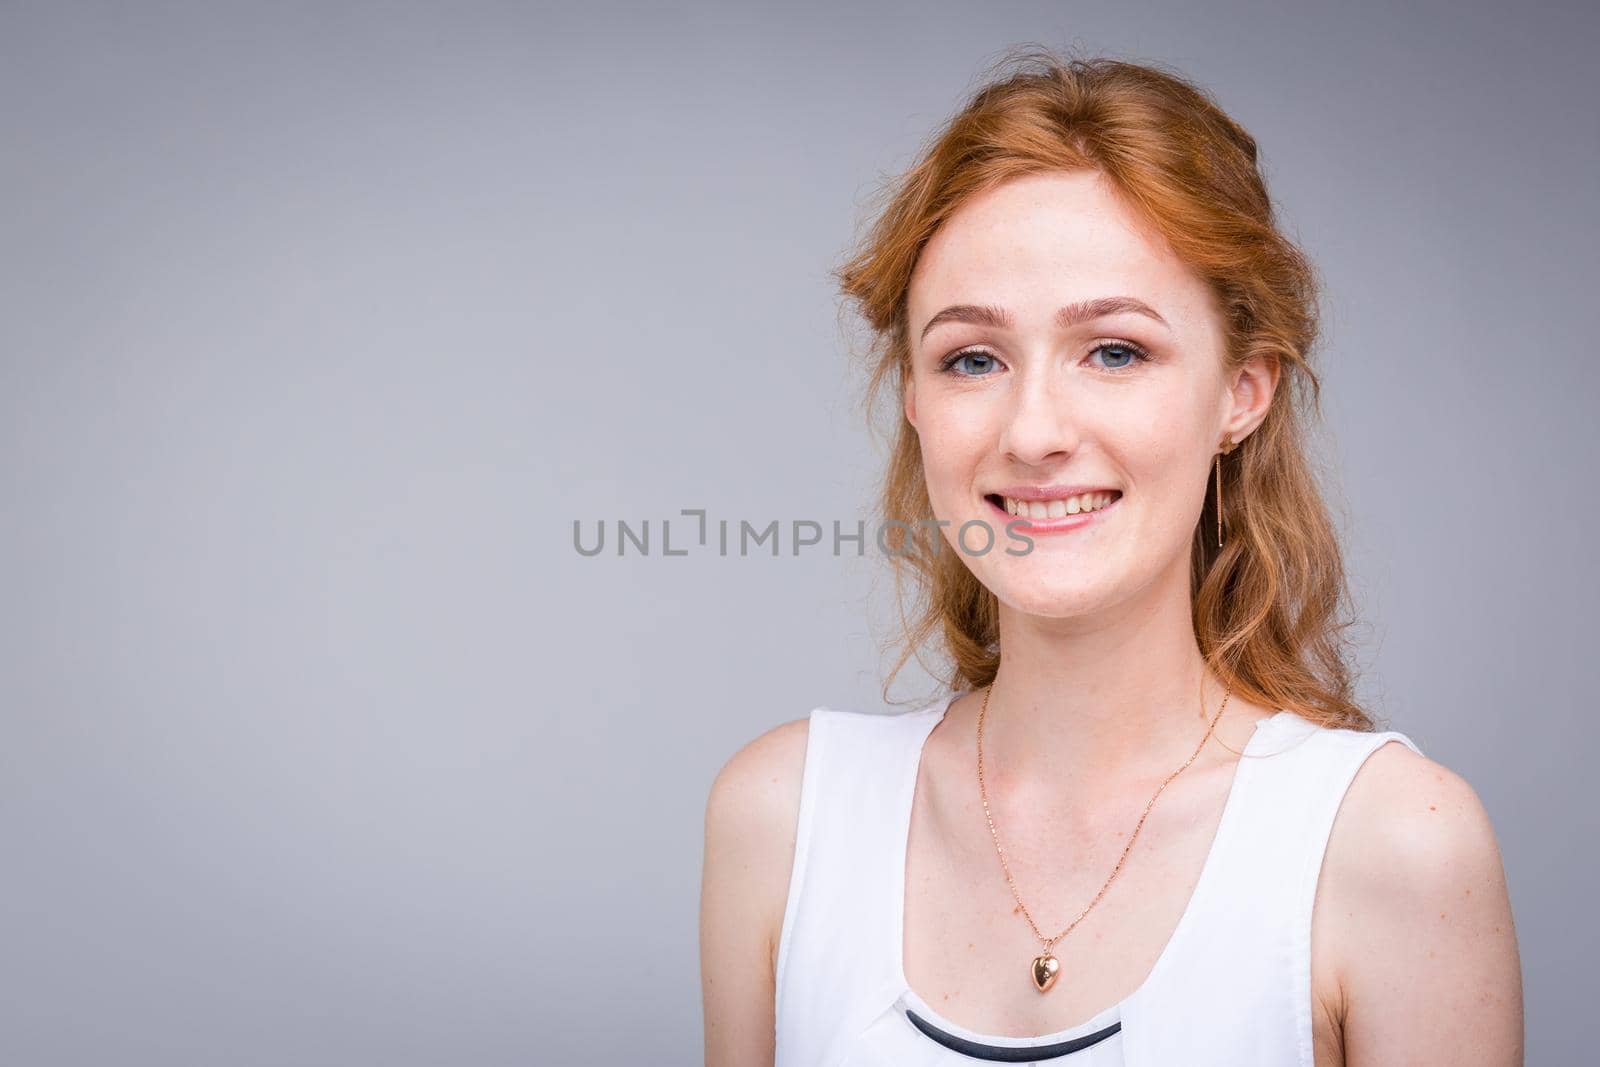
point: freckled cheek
(952, 450)
(1162, 452)
(955, 431)
(1165, 474)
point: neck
(1090, 702)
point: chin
(1048, 600)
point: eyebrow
(1066, 317)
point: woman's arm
(1419, 921)
(749, 851)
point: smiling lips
(1059, 507)
(1038, 511)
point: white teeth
(1056, 509)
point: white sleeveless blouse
(1232, 986)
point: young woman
(1147, 825)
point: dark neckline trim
(1009, 1053)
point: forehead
(1036, 242)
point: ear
(1251, 395)
(910, 401)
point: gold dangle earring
(1227, 447)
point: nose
(1039, 426)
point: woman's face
(1057, 343)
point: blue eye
(988, 362)
(1132, 352)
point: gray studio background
(321, 323)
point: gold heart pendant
(1045, 970)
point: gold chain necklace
(1047, 968)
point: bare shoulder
(750, 823)
(756, 794)
(752, 812)
(1407, 820)
(1413, 918)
